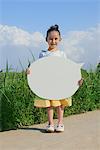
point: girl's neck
(55, 49)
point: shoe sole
(59, 131)
(49, 131)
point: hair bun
(54, 27)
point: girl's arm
(28, 70)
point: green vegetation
(17, 101)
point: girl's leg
(60, 111)
(60, 126)
(50, 115)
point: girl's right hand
(27, 71)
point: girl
(53, 38)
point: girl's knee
(60, 107)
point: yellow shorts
(54, 103)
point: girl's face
(53, 39)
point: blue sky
(32, 15)
(23, 23)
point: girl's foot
(50, 128)
(59, 128)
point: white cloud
(16, 36)
(83, 46)
(80, 46)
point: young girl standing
(53, 37)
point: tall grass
(17, 100)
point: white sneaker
(50, 128)
(59, 128)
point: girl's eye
(52, 39)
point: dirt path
(82, 132)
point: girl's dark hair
(53, 28)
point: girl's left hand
(80, 82)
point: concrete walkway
(82, 132)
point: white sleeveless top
(45, 53)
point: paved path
(82, 132)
